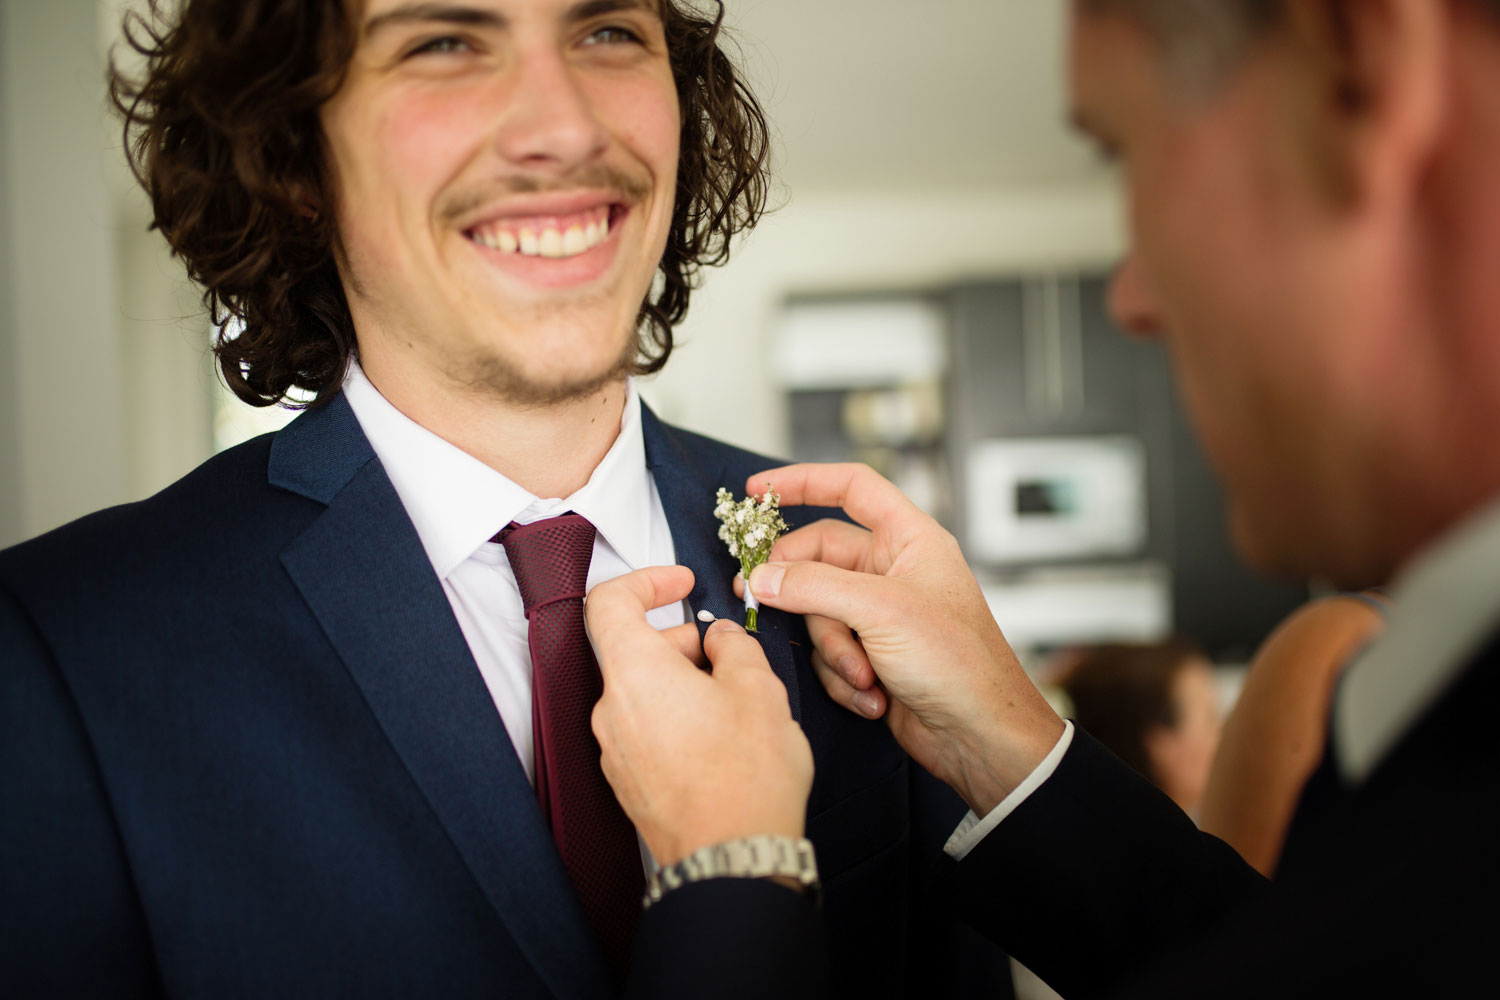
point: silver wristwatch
(762, 856)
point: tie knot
(550, 558)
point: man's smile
(551, 240)
(555, 236)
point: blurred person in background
(1315, 226)
(1154, 705)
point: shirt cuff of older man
(971, 830)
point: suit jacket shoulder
(1112, 890)
(258, 755)
(1384, 888)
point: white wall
(10, 438)
(70, 455)
(164, 333)
(103, 393)
(717, 381)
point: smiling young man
(316, 719)
(1315, 226)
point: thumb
(731, 649)
(859, 600)
(621, 604)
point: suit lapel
(364, 574)
(686, 478)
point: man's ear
(1377, 91)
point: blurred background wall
(927, 295)
(104, 389)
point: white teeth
(551, 242)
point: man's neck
(549, 451)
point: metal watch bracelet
(761, 856)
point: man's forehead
(1105, 52)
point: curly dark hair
(222, 130)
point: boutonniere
(750, 528)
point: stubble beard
(499, 379)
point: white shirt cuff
(971, 830)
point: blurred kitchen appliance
(1058, 498)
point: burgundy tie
(595, 838)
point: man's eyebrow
(447, 13)
(594, 8)
(451, 13)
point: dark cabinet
(1037, 357)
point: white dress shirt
(457, 504)
(1444, 609)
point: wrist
(788, 861)
(679, 844)
(990, 762)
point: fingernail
(765, 581)
(724, 625)
(846, 668)
(866, 704)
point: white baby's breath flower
(750, 529)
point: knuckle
(600, 718)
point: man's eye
(613, 35)
(439, 46)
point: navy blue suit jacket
(245, 751)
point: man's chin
(1297, 552)
(1267, 552)
(517, 386)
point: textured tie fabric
(595, 838)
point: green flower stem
(750, 617)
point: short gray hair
(1204, 40)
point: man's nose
(550, 120)
(1132, 301)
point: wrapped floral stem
(750, 528)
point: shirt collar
(457, 503)
(1443, 612)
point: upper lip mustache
(532, 206)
